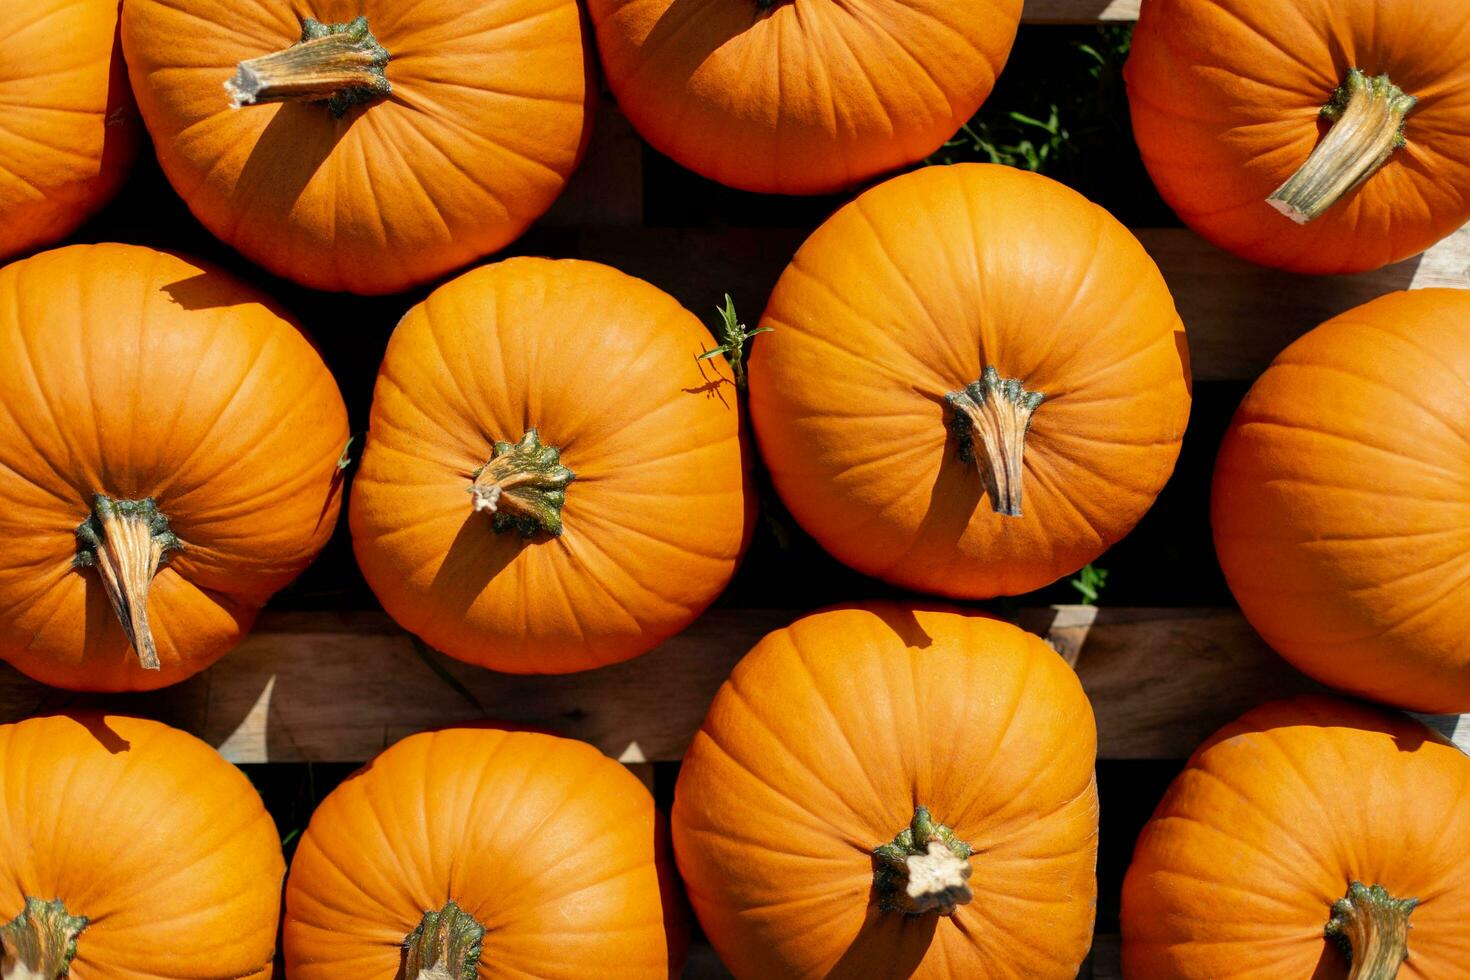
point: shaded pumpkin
(1312, 838)
(801, 97)
(363, 145)
(1341, 504)
(477, 852)
(131, 850)
(68, 127)
(894, 791)
(949, 340)
(168, 460)
(551, 481)
(1319, 136)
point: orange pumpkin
(168, 451)
(1305, 836)
(1320, 136)
(894, 791)
(363, 145)
(477, 852)
(1341, 503)
(68, 129)
(497, 392)
(131, 850)
(806, 96)
(949, 340)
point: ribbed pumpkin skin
(68, 128)
(603, 366)
(488, 117)
(137, 373)
(1226, 97)
(1341, 505)
(553, 847)
(904, 296)
(147, 832)
(818, 749)
(1274, 816)
(808, 96)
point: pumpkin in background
(363, 145)
(551, 482)
(1341, 505)
(474, 852)
(801, 97)
(131, 850)
(975, 382)
(894, 791)
(68, 129)
(1306, 834)
(1319, 136)
(168, 460)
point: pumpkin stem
(923, 870)
(524, 486)
(1367, 117)
(39, 944)
(127, 541)
(995, 414)
(445, 946)
(1372, 928)
(342, 65)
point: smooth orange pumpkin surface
(407, 138)
(551, 482)
(168, 460)
(894, 791)
(1304, 829)
(1320, 136)
(1341, 505)
(975, 382)
(801, 96)
(477, 852)
(132, 850)
(68, 128)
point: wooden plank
(332, 687)
(1078, 11)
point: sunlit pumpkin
(552, 481)
(1341, 505)
(168, 460)
(1321, 136)
(362, 145)
(801, 96)
(1314, 838)
(974, 383)
(894, 791)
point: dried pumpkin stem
(925, 869)
(445, 946)
(1367, 117)
(342, 65)
(40, 943)
(1372, 927)
(991, 419)
(127, 541)
(523, 486)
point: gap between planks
(341, 686)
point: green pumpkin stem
(40, 942)
(924, 869)
(445, 946)
(523, 486)
(1372, 928)
(342, 65)
(127, 541)
(1367, 116)
(990, 421)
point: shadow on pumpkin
(476, 555)
(957, 491)
(898, 942)
(286, 156)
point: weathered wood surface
(326, 686)
(1078, 11)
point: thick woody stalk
(990, 421)
(445, 946)
(40, 942)
(341, 65)
(925, 869)
(127, 541)
(523, 487)
(1372, 927)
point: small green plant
(733, 337)
(1090, 582)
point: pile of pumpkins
(970, 381)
